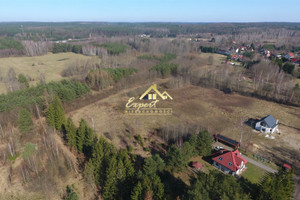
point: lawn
(253, 173)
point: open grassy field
(51, 65)
(208, 108)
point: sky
(150, 10)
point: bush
(23, 80)
(63, 47)
(9, 43)
(29, 150)
(146, 57)
(140, 140)
(167, 57)
(25, 122)
(209, 49)
(119, 73)
(71, 194)
(288, 68)
(165, 69)
(77, 49)
(114, 48)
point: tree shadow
(251, 122)
(249, 187)
(173, 186)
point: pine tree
(149, 166)
(51, 116)
(80, 137)
(204, 143)
(71, 133)
(160, 163)
(56, 114)
(89, 173)
(25, 122)
(121, 171)
(176, 160)
(89, 137)
(157, 187)
(97, 160)
(110, 186)
(137, 192)
(59, 116)
(279, 186)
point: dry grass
(51, 65)
(209, 108)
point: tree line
(67, 90)
(64, 47)
(104, 77)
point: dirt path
(260, 165)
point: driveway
(260, 165)
(297, 189)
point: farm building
(267, 124)
(227, 141)
(230, 162)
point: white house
(267, 124)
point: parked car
(219, 148)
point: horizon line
(188, 22)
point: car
(219, 148)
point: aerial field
(51, 65)
(208, 108)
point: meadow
(50, 66)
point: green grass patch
(253, 173)
(14, 157)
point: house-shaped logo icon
(152, 94)
(140, 107)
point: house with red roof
(289, 56)
(230, 162)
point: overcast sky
(151, 10)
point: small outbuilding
(267, 124)
(286, 167)
(197, 165)
(228, 141)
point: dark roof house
(269, 121)
(267, 124)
